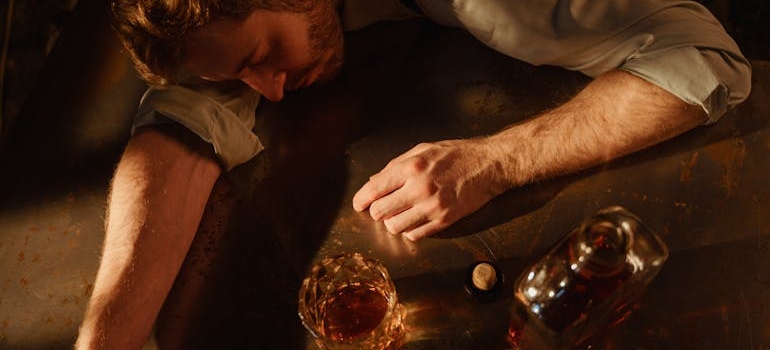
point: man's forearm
(431, 186)
(159, 191)
(616, 114)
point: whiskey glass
(349, 301)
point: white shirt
(677, 45)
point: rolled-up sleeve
(222, 114)
(677, 45)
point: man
(660, 68)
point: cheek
(213, 59)
(300, 56)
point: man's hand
(432, 185)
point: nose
(269, 83)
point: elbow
(733, 72)
(740, 82)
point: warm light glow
(636, 263)
(626, 226)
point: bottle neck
(599, 250)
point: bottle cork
(483, 280)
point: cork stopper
(483, 280)
(484, 276)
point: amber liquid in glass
(352, 311)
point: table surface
(268, 220)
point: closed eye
(252, 60)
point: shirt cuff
(685, 73)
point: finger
(424, 230)
(405, 221)
(379, 185)
(390, 205)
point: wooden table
(268, 220)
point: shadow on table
(263, 224)
(508, 206)
(441, 314)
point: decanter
(588, 280)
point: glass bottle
(586, 281)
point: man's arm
(159, 192)
(435, 184)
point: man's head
(271, 45)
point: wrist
(505, 173)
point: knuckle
(440, 217)
(425, 189)
(439, 204)
(441, 212)
(374, 211)
(423, 146)
(417, 165)
(443, 219)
